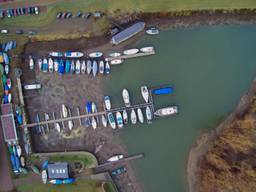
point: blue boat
(45, 164)
(61, 67)
(14, 45)
(67, 67)
(56, 181)
(68, 181)
(13, 161)
(89, 107)
(6, 59)
(19, 119)
(17, 162)
(163, 91)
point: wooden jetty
(140, 54)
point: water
(210, 69)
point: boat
(19, 151)
(118, 171)
(56, 54)
(167, 111)
(64, 111)
(95, 54)
(6, 58)
(68, 181)
(116, 61)
(145, 93)
(126, 97)
(44, 176)
(147, 49)
(140, 115)
(56, 65)
(83, 67)
(45, 65)
(107, 102)
(163, 91)
(31, 63)
(9, 83)
(94, 123)
(104, 121)
(133, 117)
(111, 120)
(78, 67)
(67, 66)
(56, 181)
(119, 119)
(57, 127)
(107, 68)
(115, 54)
(94, 108)
(130, 51)
(101, 67)
(35, 169)
(152, 31)
(17, 162)
(94, 68)
(50, 63)
(70, 125)
(70, 54)
(9, 97)
(115, 158)
(61, 67)
(22, 161)
(40, 63)
(149, 113)
(6, 69)
(125, 116)
(72, 68)
(89, 107)
(89, 66)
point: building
(128, 33)
(8, 123)
(58, 171)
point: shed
(58, 171)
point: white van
(32, 86)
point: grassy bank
(116, 6)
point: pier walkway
(140, 54)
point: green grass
(108, 187)
(110, 6)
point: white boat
(94, 108)
(64, 111)
(152, 31)
(56, 65)
(167, 111)
(31, 63)
(149, 113)
(126, 97)
(116, 61)
(140, 115)
(9, 97)
(101, 67)
(22, 161)
(119, 119)
(44, 176)
(6, 69)
(50, 63)
(57, 127)
(116, 54)
(95, 54)
(125, 116)
(83, 67)
(111, 120)
(104, 121)
(9, 83)
(107, 68)
(147, 49)
(133, 117)
(89, 66)
(115, 158)
(107, 102)
(145, 93)
(94, 68)
(73, 67)
(94, 123)
(56, 54)
(70, 125)
(19, 151)
(73, 54)
(40, 63)
(78, 67)
(130, 51)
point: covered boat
(88, 107)
(115, 54)
(68, 181)
(163, 91)
(119, 119)
(126, 97)
(61, 67)
(125, 116)
(101, 67)
(107, 68)
(131, 51)
(89, 66)
(78, 67)
(118, 171)
(104, 121)
(72, 67)
(111, 120)
(94, 68)
(115, 158)
(64, 111)
(94, 123)
(152, 31)
(31, 63)
(71, 54)
(140, 115)
(149, 115)
(50, 63)
(167, 111)
(107, 102)
(95, 54)
(133, 117)
(145, 93)
(83, 67)
(67, 66)
(56, 65)
(45, 65)
(55, 54)
(147, 49)
(44, 176)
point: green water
(210, 69)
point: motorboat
(73, 54)
(133, 117)
(83, 67)
(115, 158)
(89, 66)
(147, 49)
(70, 125)
(140, 115)
(152, 31)
(119, 119)
(9, 83)
(67, 66)
(40, 63)
(44, 176)
(131, 51)
(64, 111)
(68, 181)
(94, 123)
(57, 127)
(95, 54)
(125, 116)
(19, 151)
(9, 97)
(126, 98)
(118, 171)
(107, 102)
(73, 67)
(167, 111)
(6, 69)
(115, 54)
(94, 68)
(78, 67)
(56, 181)
(45, 65)
(163, 90)
(31, 63)
(56, 65)
(145, 93)
(94, 108)
(61, 68)
(56, 54)
(22, 161)
(149, 115)
(50, 63)
(116, 61)
(104, 121)
(111, 120)
(101, 67)
(107, 68)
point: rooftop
(58, 171)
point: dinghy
(78, 67)
(95, 54)
(125, 116)
(145, 93)
(119, 119)
(111, 120)
(140, 115)
(89, 66)
(83, 67)
(104, 120)
(133, 117)
(94, 68)
(116, 61)
(101, 67)
(116, 54)
(50, 63)
(44, 176)
(148, 113)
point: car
(19, 31)
(4, 31)
(36, 9)
(59, 15)
(32, 33)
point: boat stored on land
(67, 66)
(116, 61)
(95, 54)
(152, 31)
(83, 67)
(107, 102)
(50, 63)
(115, 158)
(101, 67)
(45, 65)
(88, 107)
(107, 68)
(72, 67)
(115, 54)
(89, 66)
(61, 67)
(119, 119)
(40, 63)
(118, 171)
(125, 116)
(104, 121)
(68, 181)
(56, 65)
(73, 54)
(145, 93)
(167, 111)
(19, 151)
(111, 120)
(56, 54)
(94, 123)
(44, 176)
(32, 86)
(56, 181)
(64, 111)
(6, 69)
(131, 51)
(57, 127)
(31, 63)
(94, 108)
(94, 68)
(140, 115)
(149, 114)
(147, 49)
(126, 98)
(78, 67)
(133, 117)
(70, 125)
(163, 90)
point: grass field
(110, 6)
